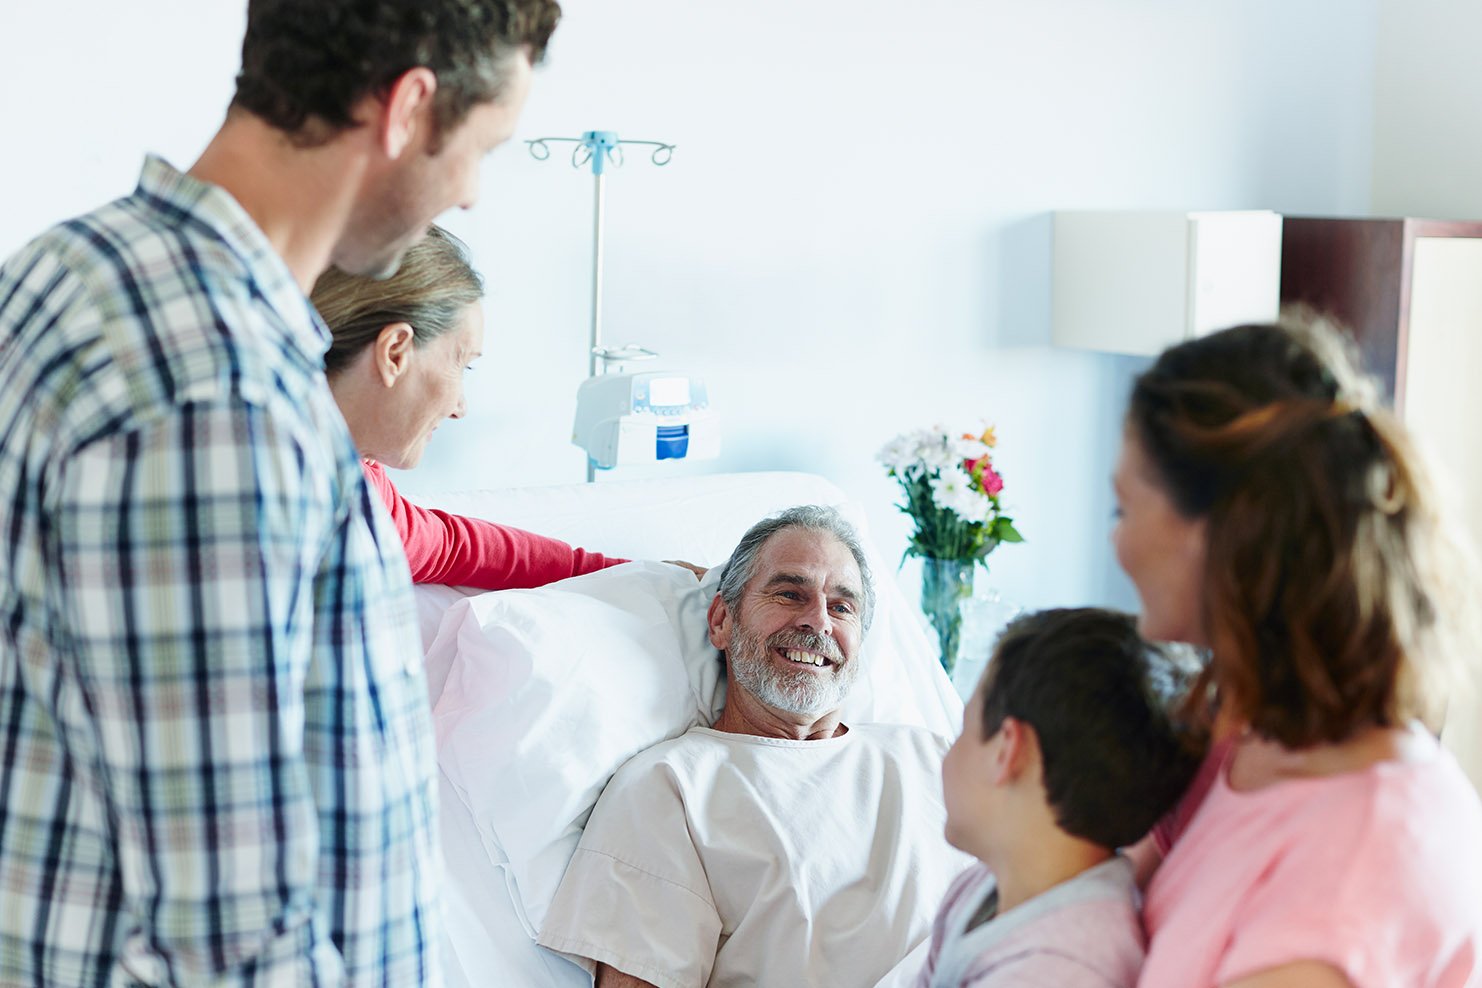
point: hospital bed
(539, 695)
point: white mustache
(802, 641)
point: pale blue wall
(853, 238)
(1428, 110)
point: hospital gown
(727, 859)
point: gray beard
(801, 692)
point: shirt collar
(214, 208)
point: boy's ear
(1018, 751)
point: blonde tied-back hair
(429, 292)
(1327, 558)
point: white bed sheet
(486, 944)
(694, 518)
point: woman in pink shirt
(396, 363)
(1273, 512)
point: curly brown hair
(1326, 559)
(306, 63)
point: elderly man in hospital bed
(781, 846)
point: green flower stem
(945, 584)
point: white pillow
(543, 694)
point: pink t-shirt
(1377, 873)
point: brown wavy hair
(429, 292)
(1326, 555)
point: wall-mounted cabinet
(1137, 282)
(1410, 291)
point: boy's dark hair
(306, 63)
(1099, 698)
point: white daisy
(899, 454)
(935, 451)
(970, 449)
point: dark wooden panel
(1352, 270)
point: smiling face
(428, 389)
(792, 641)
(1160, 549)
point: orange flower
(987, 438)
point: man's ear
(719, 620)
(405, 110)
(392, 352)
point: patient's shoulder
(668, 764)
(904, 740)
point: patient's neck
(745, 714)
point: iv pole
(598, 147)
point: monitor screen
(669, 391)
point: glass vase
(945, 585)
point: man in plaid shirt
(215, 751)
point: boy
(1067, 752)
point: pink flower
(991, 481)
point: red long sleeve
(470, 552)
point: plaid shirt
(215, 748)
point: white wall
(87, 87)
(853, 238)
(1428, 110)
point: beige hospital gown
(727, 860)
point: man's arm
(186, 553)
(611, 977)
(636, 895)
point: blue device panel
(673, 442)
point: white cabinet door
(1137, 282)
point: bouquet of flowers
(952, 494)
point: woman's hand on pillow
(699, 571)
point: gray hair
(813, 517)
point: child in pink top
(1376, 872)
(1067, 752)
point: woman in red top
(396, 367)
